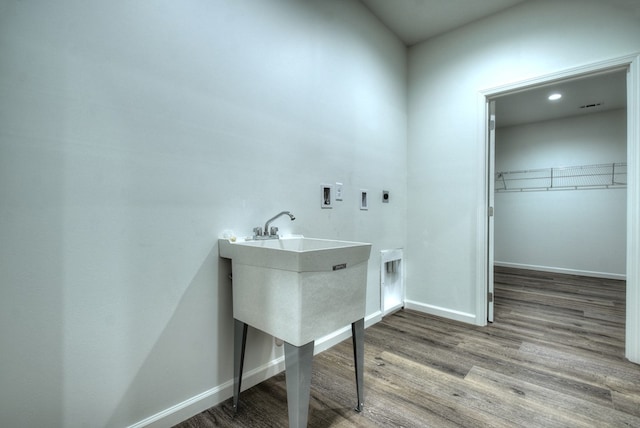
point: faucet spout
(266, 225)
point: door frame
(491, 171)
(632, 64)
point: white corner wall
(446, 160)
(580, 232)
(131, 135)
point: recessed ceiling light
(554, 97)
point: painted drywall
(132, 134)
(446, 158)
(572, 231)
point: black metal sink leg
(239, 345)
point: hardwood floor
(554, 357)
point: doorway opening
(560, 180)
(630, 67)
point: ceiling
(592, 94)
(414, 21)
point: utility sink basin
(298, 289)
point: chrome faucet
(266, 233)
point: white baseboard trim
(441, 312)
(216, 395)
(212, 397)
(606, 275)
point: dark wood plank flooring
(554, 357)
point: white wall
(131, 135)
(572, 231)
(446, 157)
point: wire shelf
(610, 175)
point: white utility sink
(298, 289)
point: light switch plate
(338, 191)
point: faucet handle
(273, 231)
(257, 231)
